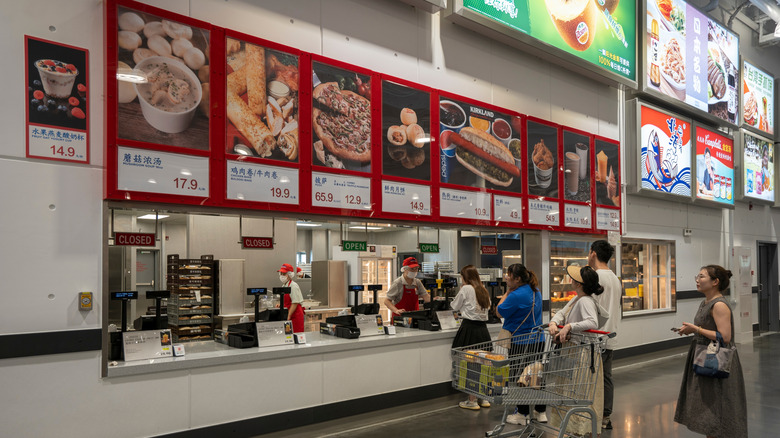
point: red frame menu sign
(273, 128)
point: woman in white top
(580, 314)
(473, 302)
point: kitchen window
(648, 274)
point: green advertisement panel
(601, 32)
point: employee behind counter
(405, 290)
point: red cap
(411, 262)
(298, 269)
(285, 268)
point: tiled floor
(645, 400)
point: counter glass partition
(648, 276)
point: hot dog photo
(476, 147)
(406, 128)
(542, 163)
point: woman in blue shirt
(521, 309)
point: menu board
(607, 173)
(163, 77)
(665, 160)
(56, 104)
(600, 32)
(262, 102)
(542, 160)
(714, 166)
(406, 131)
(480, 147)
(692, 58)
(341, 118)
(758, 98)
(257, 182)
(576, 166)
(758, 162)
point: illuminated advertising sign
(758, 99)
(758, 161)
(714, 166)
(665, 159)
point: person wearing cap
(580, 314)
(405, 290)
(300, 274)
(293, 300)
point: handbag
(713, 359)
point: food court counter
(433, 352)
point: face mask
(283, 279)
(410, 275)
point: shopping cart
(563, 377)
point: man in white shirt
(598, 258)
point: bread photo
(575, 21)
(396, 135)
(408, 116)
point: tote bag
(713, 359)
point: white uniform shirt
(466, 303)
(610, 300)
(396, 291)
(295, 292)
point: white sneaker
(520, 419)
(541, 416)
(484, 403)
(468, 404)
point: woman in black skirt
(473, 302)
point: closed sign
(257, 243)
(134, 239)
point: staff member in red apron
(405, 290)
(294, 299)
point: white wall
(52, 213)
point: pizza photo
(341, 118)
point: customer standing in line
(521, 308)
(598, 259)
(580, 314)
(712, 406)
(473, 302)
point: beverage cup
(571, 165)
(601, 158)
(582, 151)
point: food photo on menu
(759, 166)
(479, 147)
(758, 99)
(163, 81)
(576, 168)
(56, 85)
(262, 102)
(542, 160)
(607, 173)
(341, 118)
(406, 125)
(678, 38)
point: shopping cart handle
(598, 332)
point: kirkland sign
(601, 32)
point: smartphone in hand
(675, 329)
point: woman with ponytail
(521, 309)
(473, 302)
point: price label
(369, 325)
(346, 192)
(406, 198)
(577, 216)
(607, 219)
(56, 144)
(261, 183)
(466, 205)
(507, 209)
(543, 213)
(274, 333)
(161, 172)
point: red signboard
(489, 250)
(134, 239)
(257, 242)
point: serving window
(647, 271)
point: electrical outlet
(687, 232)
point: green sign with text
(353, 245)
(601, 32)
(429, 247)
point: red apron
(297, 316)
(409, 301)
